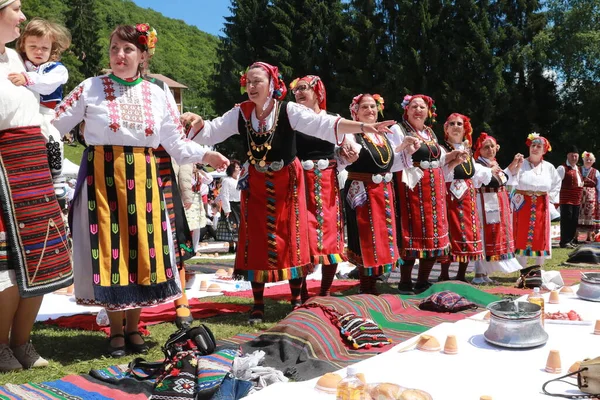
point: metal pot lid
(591, 277)
(514, 309)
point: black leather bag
(197, 339)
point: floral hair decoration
(277, 86)
(481, 140)
(428, 100)
(147, 37)
(537, 138)
(467, 126)
(587, 154)
(354, 106)
(316, 84)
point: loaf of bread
(414, 394)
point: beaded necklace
(430, 142)
(384, 162)
(256, 148)
(462, 165)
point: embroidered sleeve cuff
(28, 80)
(335, 131)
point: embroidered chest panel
(129, 107)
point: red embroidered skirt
(33, 236)
(273, 234)
(464, 225)
(531, 227)
(372, 240)
(423, 218)
(589, 214)
(498, 239)
(325, 224)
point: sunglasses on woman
(301, 88)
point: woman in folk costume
(589, 213)
(323, 202)
(370, 200)
(421, 199)
(463, 219)
(539, 185)
(273, 236)
(494, 213)
(34, 254)
(123, 247)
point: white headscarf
(4, 3)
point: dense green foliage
(183, 53)
(513, 66)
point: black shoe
(118, 351)
(420, 287)
(141, 348)
(257, 316)
(443, 279)
(571, 246)
(183, 322)
(406, 288)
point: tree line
(513, 66)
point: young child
(41, 46)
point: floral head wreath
(147, 38)
(354, 106)
(537, 138)
(587, 154)
(481, 140)
(467, 126)
(277, 87)
(316, 84)
(428, 100)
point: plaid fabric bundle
(446, 301)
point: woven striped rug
(306, 344)
(114, 383)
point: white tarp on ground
(479, 368)
(70, 169)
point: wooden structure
(176, 89)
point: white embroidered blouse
(121, 114)
(542, 178)
(19, 106)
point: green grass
(73, 153)
(76, 352)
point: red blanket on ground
(150, 316)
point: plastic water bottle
(102, 318)
(351, 387)
(537, 298)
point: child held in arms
(41, 45)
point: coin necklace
(256, 148)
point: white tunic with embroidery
(139, 115)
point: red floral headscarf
(536, 137)
(480, 141)
(277, 85)
(428, 100)
(467, 126)
(317, 86)
(356, 103)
